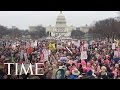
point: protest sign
(84, 55)
(113, 46)
(32, 44)
(52, 46)
(35, 43)
(69, 43)
(46, 54)
(68, 49)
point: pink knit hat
(88, 64)
(84, 70)
(83, 62)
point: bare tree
(108, 28)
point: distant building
(60, 29)
(14, 27)
(32, 28)
(77, 28)
(35, 28)
(26, 36)
(84, 29)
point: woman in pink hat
(107, 61)
(84, 65)
(73, 67)
(89, 66)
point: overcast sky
(24, 19)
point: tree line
(17, 33)
(107, 28)
(77, 34)
(39, 32)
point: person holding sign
(52, 46)
(113, 46)
(84, 54)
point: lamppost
(113, 36)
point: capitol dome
(60, 30)
(61, 19)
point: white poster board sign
(86, 45)
(116, 53)
(69, 43)
(14, 46)
(46, 54)
(113, 46)
(32, 44)
(84, 55)
(35, 44)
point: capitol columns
(49, 34)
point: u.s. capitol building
(61, 29)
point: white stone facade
(84, 29)
(60, 29)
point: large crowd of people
(63, 59)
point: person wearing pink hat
(106, 61)
(83, 63)
(84, 66)
(89, 66)
(73, 67)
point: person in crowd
(69, 60)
